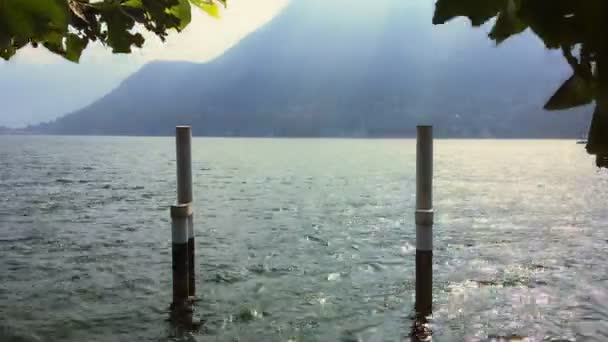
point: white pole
(183, 144)
(424, 220)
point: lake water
(301, 240)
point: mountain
(345, 68)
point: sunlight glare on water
(300, 240)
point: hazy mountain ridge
(365, 72)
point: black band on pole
(179, 253)
(191, 254)
(424, 282)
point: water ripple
(293, 248)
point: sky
(38, 86)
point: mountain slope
(345, 68)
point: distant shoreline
(346, 137)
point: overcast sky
(37, 86)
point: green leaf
(182, 12)
(12, 49)
(54, 43)
(508, 22)
(23, 21)
(133, 3)
(478, 11)
(209, 7)
(5, 41)
(557, 23)
(74, 45)
(576, 91)
(34, 18)
(119, 26)
(7, 51)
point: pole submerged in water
(183, 144)
(179, 253)
(424, 221)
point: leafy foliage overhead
(66, 27)
(578, 27)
